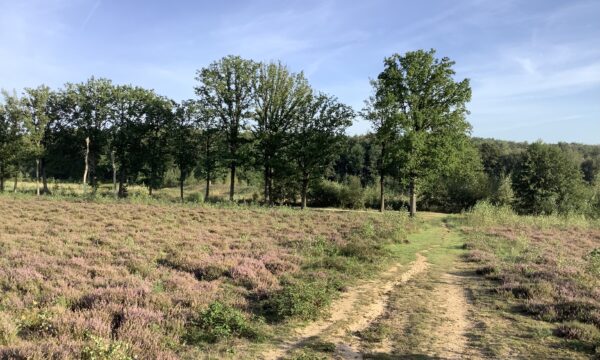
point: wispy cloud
(90, 14)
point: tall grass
(486, 214)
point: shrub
(219, 321)
(325, 193)
(332, 194)
(351, 194)
(299, 298)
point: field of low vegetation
(542, 294)
(121, 280)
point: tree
(127, 133)
(87, 108)
(279, 97)
(226, 91)
(317, 137)
(546, 181)
(159, 116)
(39, 118)
(380, 109)
(185, 140)
(211, 141)
(429, 112)
(12, 118)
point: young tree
(184, 138)
(226, 90)
(317, 136)
(380, 109)
(279, 96)
(430, 110)
(37, 123)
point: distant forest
(264, 124)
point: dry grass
(115, 280)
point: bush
(325, 193)
(333, 194)
(352, 195)
(299, 298)
(219, 321)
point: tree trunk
(122, 187)
(381, 195)
(270, 184)
(413, 198)
(267, 200)
(150, 190)
(37, 177)
(181, 181)
(86, 169)
(45, 189)
(304, 190)
(207, 191)
(232, 182)
(16, 181)
(114, 170)
(1, 177)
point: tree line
(251, 119)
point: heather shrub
(8, 330)
(219, 321)
(575, 330)
(102, 349)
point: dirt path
(451, 335)
(352, 313)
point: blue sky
(534, 65)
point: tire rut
(352, 313)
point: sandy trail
(352, 313)
(451, 340)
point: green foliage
(428, 108)
(547, 181)
(593, 260)
(300, 298)
(503, 194)
(317, 137)
(218, 322)
(102, 349)
(328, 193)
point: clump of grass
(218, 322)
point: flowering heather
(81, 279)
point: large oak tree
(429, 113)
